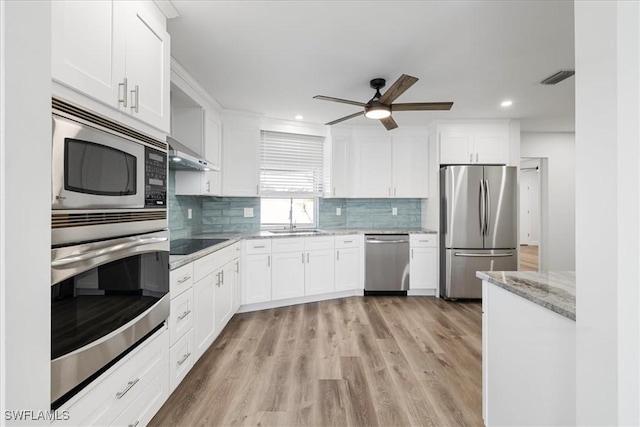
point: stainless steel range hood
(183, 158)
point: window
(282, 213)
(290, 165)
(291, 177)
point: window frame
(285, 226)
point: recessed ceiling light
(506, 103)
(299, 117)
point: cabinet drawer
(317, 243)
(180, 360)
(257, 246)
(116, 389)
(223, 256)
(180, 316)
(203, 267)
(145, 406)
(287, 244)
(180, 279)
(423, 240)
(348, 241)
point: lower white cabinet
(423, 264)
(319, 272)
(256, 279)
(132, 390)
(226, 287)
(347, 271)
(204, 325)
(181, 359)
(287, 275)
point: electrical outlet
(394, 211)
(338, 211)
(189, 213)
(248, 212)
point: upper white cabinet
(391, 165)
(240, 155)
(341, 160)
(474, 143)
(116, 53)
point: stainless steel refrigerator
(477, 226)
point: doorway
(530, 212)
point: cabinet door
(373, 165)
(319, 272)
(423, 268)
(147, 63)
(204, 314)
(491, 143)
(256, 280)
(212, 140)
(87, 50)
(456, 144)
(410, 177)
(347, 272)
(340, 162)
(241, 161)
(287, 275)
(224, 294)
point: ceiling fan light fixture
(376, 110)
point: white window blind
(290, 164)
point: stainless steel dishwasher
(386, 263)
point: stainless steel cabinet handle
(348, 241)
(303, 257)
(222, 277)
(237, 266)
(123, 99)
(411, 253)
(334, 191)
(135, 424)
(135, 95)
(338, 255)
(470, 157)
(184, 279)
(259, 247)
(130, 384)
(183, 315)
(184, 359)
(463, 254)
(269, 261)
(257, 189)
(307, 257)
(387, 241)
(63, 262)
(208, 186)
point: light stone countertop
(554, 290)
(176, 261)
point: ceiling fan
(380, 106)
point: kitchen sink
(298, 232)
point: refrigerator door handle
(463, 254)
(487, 207)
(481, 207)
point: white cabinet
(116, 53)
(474, 143)
(181, 321)
(240, 156)
(226, 286)
(133, 389)
(204, 325)
(391, 166)
(256, 271)
(341, 162)
(287, 275)
(181, 359)
(319, 272)
(348, 264)
(423, 264)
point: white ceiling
(272, 57)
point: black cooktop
(189, 246)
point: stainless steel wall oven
(110, 245)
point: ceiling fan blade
(397, 88)
(344, 101)
(351, 116)
(389, 123)
(418, 106)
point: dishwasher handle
(386, 241)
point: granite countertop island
(555, 291)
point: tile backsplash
(226, 214)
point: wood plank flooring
(528, 258)
(359, 361)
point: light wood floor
(528, 258)
(359, 361)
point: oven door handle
(64, 262)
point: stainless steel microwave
(96, 169)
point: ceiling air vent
(557, 77)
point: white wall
(558, 240)
(607, 206)
(25, 208)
